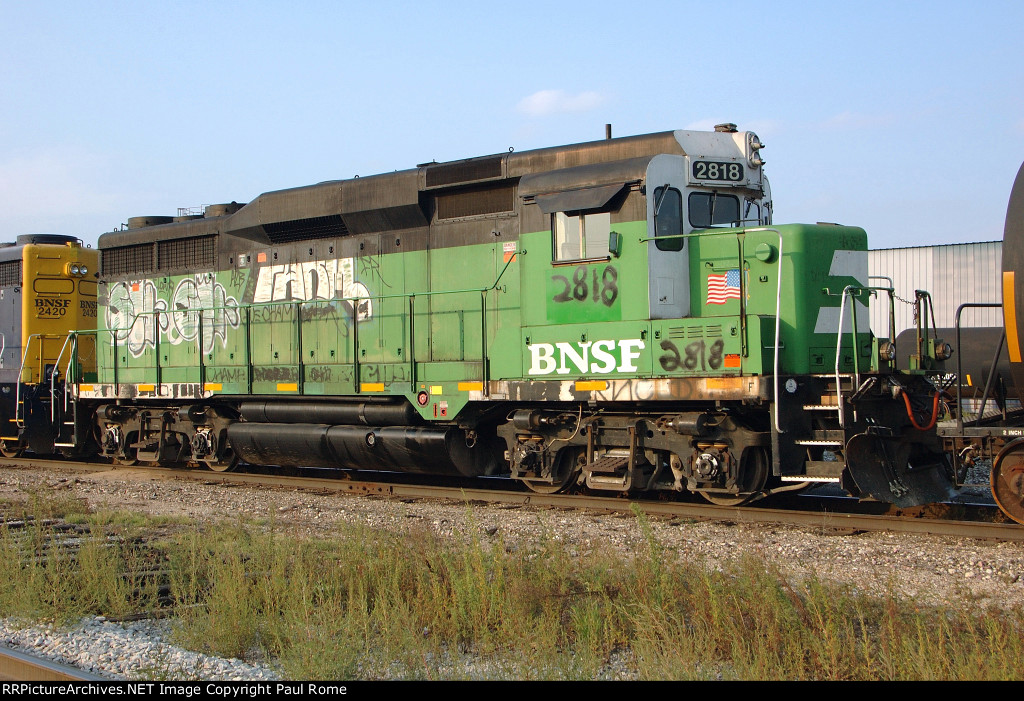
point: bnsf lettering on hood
(586, 357)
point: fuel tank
(439, 450)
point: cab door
(667, 250)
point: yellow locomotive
(47, 289)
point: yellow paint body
(55, 302)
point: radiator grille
(305, 229)
(198, 253)
(123, 260)
(479, 200)
(451, 173)
(10, 273)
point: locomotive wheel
(11, 452)
(129, 459)
(754, 470)
(1008, 480)
(226, 464)
(568, 468)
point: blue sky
(905, 118)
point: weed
(368, 604)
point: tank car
(620, 314)
(47, 290)
(1007, 436)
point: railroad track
(830, 515)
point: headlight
(887, 351)
(83, 269)
(75, 270)
(943, 351)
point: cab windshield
(712, 209)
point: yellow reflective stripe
(1010, 317)
(724, 383)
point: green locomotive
(620, 314)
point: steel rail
(827, 520)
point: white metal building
(953, 274)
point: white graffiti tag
(136, 314)
(312, 280)
(219, 312)
(131, 315)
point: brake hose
(910, 411)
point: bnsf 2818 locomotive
(620, 314)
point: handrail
(53, 376)
(19, 422)
(959, 364)
(355, 300)
(852, 291)
(70, 373)
(921, 315)
(891, 289)
(124, 332)
(778, 317)
(739, 233)
(848, 291)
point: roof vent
(726, 128)
(59, 239)
(143, 222)
(221, 210)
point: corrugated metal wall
(953, 274)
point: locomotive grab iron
(621, 314)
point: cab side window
(668, 219)
(580, 236)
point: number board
(714, 170)
(583, 293)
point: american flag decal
(723, 287)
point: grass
(368, 604)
